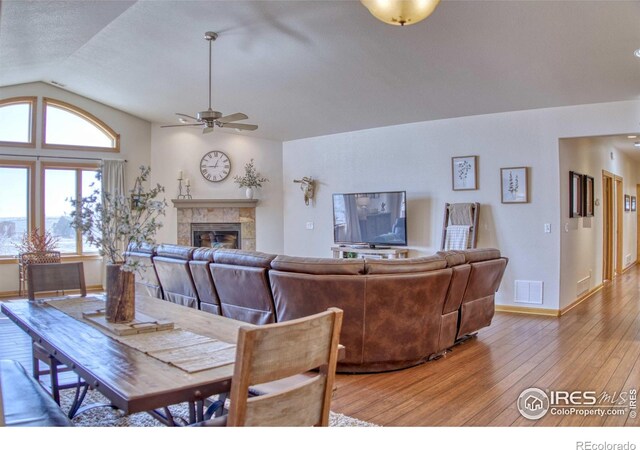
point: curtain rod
(56, 157)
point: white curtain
(113, 182)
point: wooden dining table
(132, 380)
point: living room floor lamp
(401, 12)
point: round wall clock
(215, 166)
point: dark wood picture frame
(633, 203)
(575, 194)
(588, 194)
(627, 202)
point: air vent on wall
(528, 292)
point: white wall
(174, 149)
(417, 158)
(135, 145)
(582, 244)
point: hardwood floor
(595, 347)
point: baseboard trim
(14, 294)
(527, 310)
(581, 299)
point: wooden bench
(24, 402)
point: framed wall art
(514, 185)
(627, 202)
(464, 173)
(588, 188)
(633, 203)
(575, 194)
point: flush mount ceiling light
(401, 12)
(637, 53)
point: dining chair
(283, 358)
(50, 278)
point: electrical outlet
(547, 228)
(309, 225)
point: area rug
(108, 417)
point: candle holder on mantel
(182, 196)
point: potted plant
(250, 180)
(112, 222)
(35, 247)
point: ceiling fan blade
(187, 115)
(232, 118)
(240, 126)
(182, 125)
(207, 130)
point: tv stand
(365, 251)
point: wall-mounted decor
(513, 185)
(575, 194)
(464, 172)
(587, 208)
(633, 203)
(307, 185)
(627, 202)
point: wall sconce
(307, 185)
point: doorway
(612, 209)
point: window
(60, 183)
(68, 127)
(15, 204)
(17, 121)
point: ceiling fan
(209, 119)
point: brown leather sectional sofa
(397, 313)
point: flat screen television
(373, 219)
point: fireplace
(227, 235)
(226, 222)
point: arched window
(68, 127)
(17, 122)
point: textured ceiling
(307, 68)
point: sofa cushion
(481, 254)
(453, 257)
(203, 254)
(175, 251)
(142, 248)
(408, 265)
(243, 258)
(318, 266)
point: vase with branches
(111, 222)
(251, 179)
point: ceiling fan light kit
(401, 12)
(209, 119)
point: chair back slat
(55, 277)
(272, 352)
(304, 403)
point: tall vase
(249, 193)
(120, 307)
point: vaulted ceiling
(307, 68)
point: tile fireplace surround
(220, 211)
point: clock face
(215, 166)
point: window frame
(31, 197)
(78, 167)
(32, 102)
(47, 101)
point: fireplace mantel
(215, 203)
